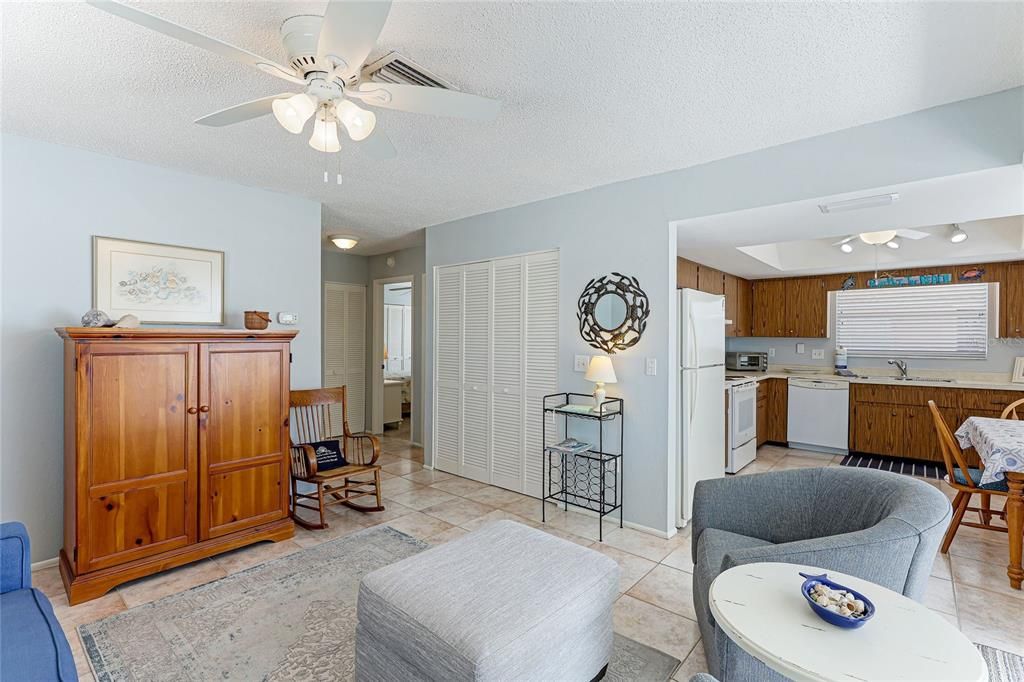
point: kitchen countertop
(878, 376)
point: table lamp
(601, 372)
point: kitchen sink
(892, 378)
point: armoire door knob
(204, 408)
(192, 410)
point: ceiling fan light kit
(875, 238)
(326, 55)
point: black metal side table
(591, 479)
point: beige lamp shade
(600, 370)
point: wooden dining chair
(1011, 410)
(966, 481)
(311, 427)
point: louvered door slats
(476, 370)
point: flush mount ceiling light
(344, 241)
(859, 203)
(957, 235)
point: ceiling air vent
(394, 68)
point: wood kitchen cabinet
(762, 413)
(778, 409)
(806, 307)
(175, 449)
(769, 307)
(686, 274)
(744, 323)
(710, 280)
(1012, 300)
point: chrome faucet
(901, 365)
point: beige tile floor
(655, 605)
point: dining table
(1000, 446)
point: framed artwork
(157, 283)
(1018, 371)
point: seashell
(128, 321)
(96, 318)
(844, 611)
(821, 600)
(858, 606)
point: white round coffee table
(761, 609)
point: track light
(957, 235)
(893, 243)
(846, 247)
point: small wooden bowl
(256, 319)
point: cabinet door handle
(192, 410)
(204, 408)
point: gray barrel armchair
(875, 525)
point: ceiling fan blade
(843, 241)
(378, 146)
(350, 30)
(912, 234)
(423, 100)
(241, 112)
(187, 35)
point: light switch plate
(287, 318)
(651, 367)
(818, 354)
(771, 352)
(581, 362)
(801, 348)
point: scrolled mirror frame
(638, 309)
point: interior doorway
(395, 310)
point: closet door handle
(204, 408)
(192, 410)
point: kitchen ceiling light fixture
(326, 57)
(343, 241)
(859, 203)
(957, 235)
(875, 238)
(893, 243)
(846, 247)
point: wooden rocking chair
(311, 423)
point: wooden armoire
(175, 449)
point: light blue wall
(624, 227)
(54, 199)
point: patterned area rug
(897, 465)
(1002, 665)
(291, 618)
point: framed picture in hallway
(158, 283)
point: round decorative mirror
(613, 312)
(610, 311)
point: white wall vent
(395, 68)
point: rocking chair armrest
(303, 461)
(373, 441)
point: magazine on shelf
(570, 446)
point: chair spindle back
(1011, 410)
(952, 455)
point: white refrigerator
(701, 424)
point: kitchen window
(944, 321)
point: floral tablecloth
(999, 443)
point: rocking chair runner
(311, 423)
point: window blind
(945, 321)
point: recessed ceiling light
(846, 247)
(957, 235)
(893, 243)
(859, 203)
(343, 241)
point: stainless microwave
(747, 362)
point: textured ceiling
(594, 92)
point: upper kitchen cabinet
(1012, 300)
(686, 274)
(770, 307)
(710, 280)
(807, 307)
(738, 306)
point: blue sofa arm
(15, 559)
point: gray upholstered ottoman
(505, 602)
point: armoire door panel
(243, 395)
(138, 485)
(245, 497)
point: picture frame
(158, 283)
(1018, 371)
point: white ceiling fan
(888, 237)
(326, 56)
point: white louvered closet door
(448, 369)
(540, 359)
(476, 372)
(345, 349)
(507, 376)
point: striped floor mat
(898, 465)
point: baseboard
(45, 563)
(614, 516)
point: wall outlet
(651, 367)
(581, 363)
(818, 354)
(801, 348)
(287, 318)
(771, 352)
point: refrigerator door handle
(693, 398)
(692, 360)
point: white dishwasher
(818, 417)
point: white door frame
(376, 424)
